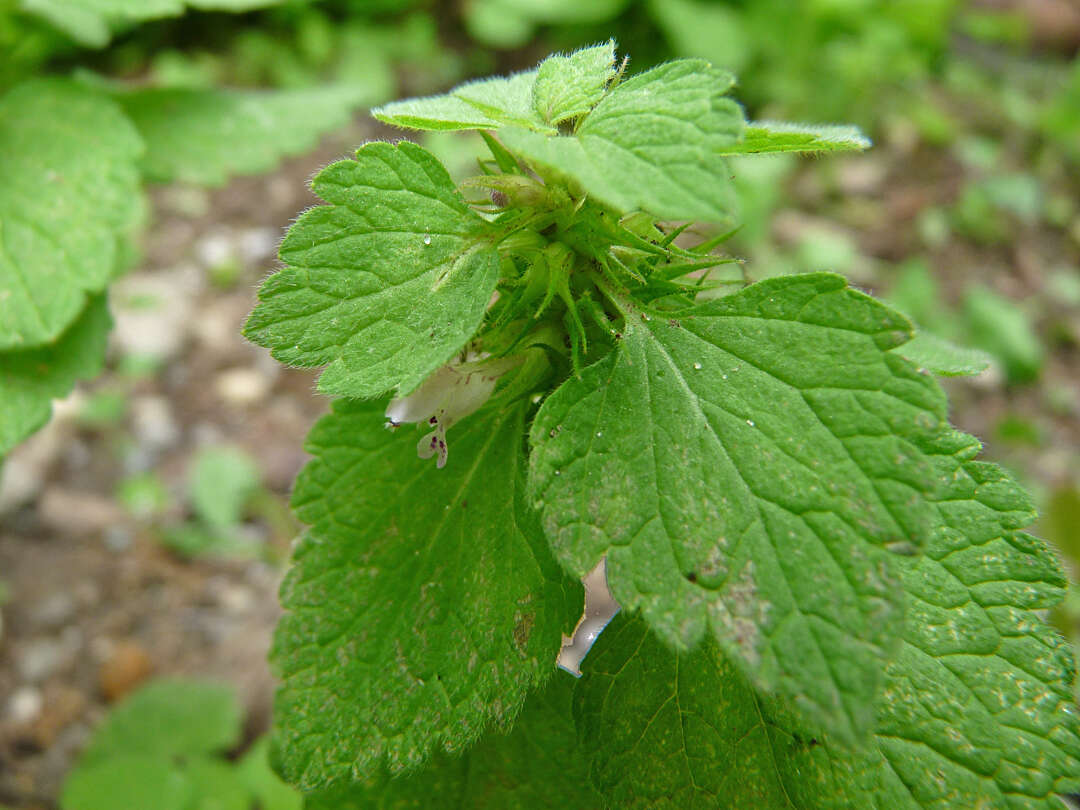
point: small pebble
(24, 705)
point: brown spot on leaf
(523, 625)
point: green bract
(828, 602)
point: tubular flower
(450, 394)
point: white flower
(450, 394)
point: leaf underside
(383, 285)
(70, 195)
(422, 604)
(746, 470)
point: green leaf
(555, 12)
(569, 86)
(621, 152)
(653, 143)
(30, 379)
(939, 356)
(217, 785)
(540, 764)
(127, 780)
(221, 482)
(422, 604)
(205, 136)
(200, 718)
(746, 469)
(386, 283)
(713, 31)
(761, 137)
(480, 104)
(265, 785)
(779, 136)
(70, 194)
(1000, 326)
(675, 731)
(91, 22)
(981, 695)
(979, 699)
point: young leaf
(480, 104)
(745, 470)
(939, 356)
(221, 483)
(30, 379)
(205, 136)
(1001, 327)
(70, 193)
(385, 284)
(540, 764)
(569, 86)
(201, 718)
(776, 136)
(423, 603)
(653, 143)
(128, 780)
(261, 781)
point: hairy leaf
(481, 104)
(653, 143)
(423, 603)
(386, 283)
(569, 86)
(745, 469)
(777, 136)
(70, 194)
(32, 378)
(981, 695)
(941, 357)
(540, 764)
(977, 710)
(205, 136)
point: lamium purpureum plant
(826, 600)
